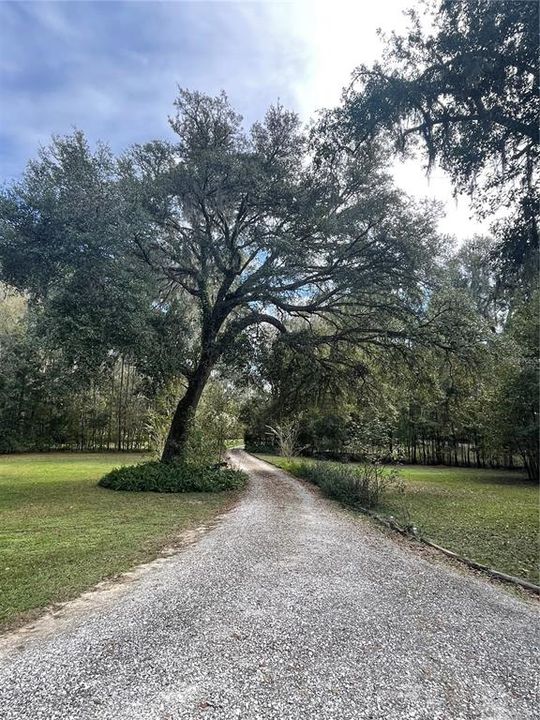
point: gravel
(290, 607)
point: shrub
(173, 477)
(286, 437)
(358, 485)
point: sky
(112, 69)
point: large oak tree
(180, 248)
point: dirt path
(288, 608)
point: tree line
(45, 404)
(475, 408)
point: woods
(280, 264)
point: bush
(357, 485)
(173, 477)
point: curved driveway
(288, 608)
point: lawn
(61, 534)
(490, 516)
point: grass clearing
(490, 516)
(60, 533)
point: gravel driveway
(288, 608)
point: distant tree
(439, 402)
(470, 269)
(216, 422)
(286, 437)
(62, 241)
(466, 89)
(47, 402)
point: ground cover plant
(490, 516)
(173, 478)
(61, 533)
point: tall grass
(363, 485)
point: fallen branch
(393, 525)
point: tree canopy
(476, 405)
(213, 234)
(462, 83)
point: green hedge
(172, 477)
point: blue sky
(112, 68)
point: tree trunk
(185, 412)
(119, 418)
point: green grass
(61, 534)
(490, 516)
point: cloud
(112, 68)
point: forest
(233, 281)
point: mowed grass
(61, 534)
(490, 516)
